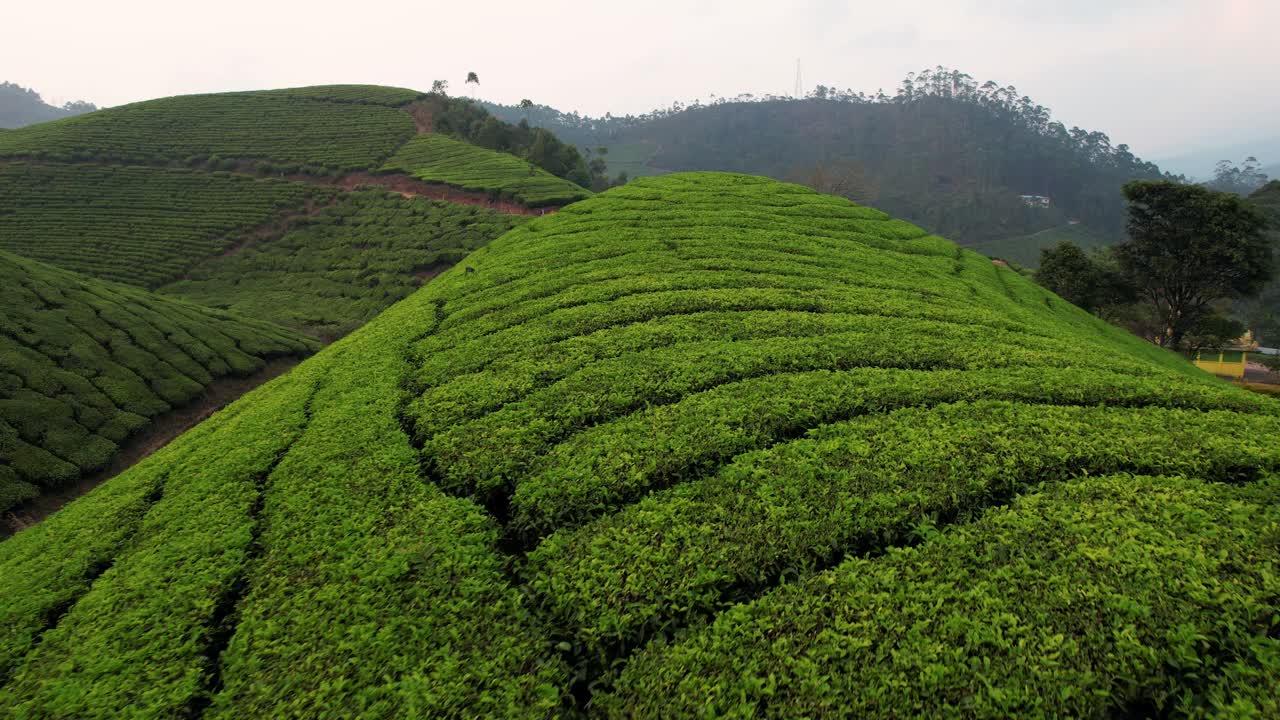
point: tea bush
(143, 226)
(336, 270)
(340, 128)
(700, 445)
(84, 363)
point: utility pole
(799, 84)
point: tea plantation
(702, 445)
(333, 272)
(323, 128)
(84, 363)
(440, 159)
(138, 225)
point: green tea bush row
(334, 271)
(143, 226)
(439, 159)
(785, 511)
(273, 126)
(84, 363)
(1114, 596)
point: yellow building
(1224, 363)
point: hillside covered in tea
(314, 208)
(705, 444)
(85, 363)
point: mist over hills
(21, 106)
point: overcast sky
(1164, 76)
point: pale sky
(1164, 76)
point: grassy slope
(83, 363)
(436, 158)
(1025, 250)
(335, 271)
(696, 402)
(138, 225)
(320, 127)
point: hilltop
(85, 364)
(702, 444)
(21, 106)
(944, 152)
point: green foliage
(470, 121)
(439, 159)
(84, 363)
(1189, 247)
(143, 226)
(280, 126)
(336, 270)
(1120, 594)
(1090, 282)
(627, 459)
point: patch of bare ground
(162, 429)
(423, 117)
(1259, 374)
(412, 187)
(424, 275)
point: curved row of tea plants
(139, 225)
(440, 159)
(337, 269)
(84, 363)
(661, 454)
(318, 127)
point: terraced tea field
(326, 128)
(333, 272)
(85, 363)
(440, 159)
(138, 225)
(702, 445)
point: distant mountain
(1199, 164)
(975, 163)
(21, 106)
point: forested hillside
(85, 363)
(703, 445)
(21, 106)
(946, 152)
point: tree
(1241, 180)
(440, 87)
(1189, 246)
(1092, 283)
(472, 78)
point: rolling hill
(275, 203)
(705, 444)
(86, 363)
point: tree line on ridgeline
(21, 106)
(943, 151)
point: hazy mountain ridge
(21, 106)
